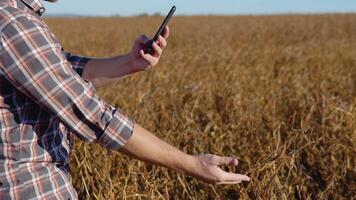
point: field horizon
(276, 91)
(76, 16)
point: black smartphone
(160, 30)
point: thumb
(142, 39)
(228, 161)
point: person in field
(48, 95)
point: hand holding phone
(160, 30)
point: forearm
(146, 147)
(101, 71)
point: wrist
(130, 61)
(126, 63)
(132, 64)
(188, 164)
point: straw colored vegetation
(278, 92)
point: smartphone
(160, 30)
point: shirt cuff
(78, 62)
(118, 131)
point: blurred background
(270, 82)
(197, 7)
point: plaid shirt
(43, 101)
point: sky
(197, 7)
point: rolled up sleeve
(33, 61)
(77, 62)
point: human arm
(101, 71)
(146, 147)
(32, 60)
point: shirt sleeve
(78, 62)
(33, 61)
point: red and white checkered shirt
(43, 100)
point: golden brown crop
(279, 92)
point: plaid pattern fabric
(43, 101)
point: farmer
(47, 95)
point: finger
(226, 176)
(149, 58)
(157, 50)
(228, 161)
(162, 42)
(228, 182)
(166, 32)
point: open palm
(207, 169)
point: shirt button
(41, 11)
